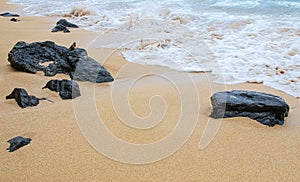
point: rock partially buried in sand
(265, 108)
(17, 142)
(67, 89)
(58, 28)
(7, 14)
(23, 99)
(14, 20)
(65, 23)
(72, 61)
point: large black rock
(23, 99)
(72, 61)
(17, 142)
(265, 108)
(67, 89)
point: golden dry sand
(243, 149)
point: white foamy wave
(164, 42)
(169, 55)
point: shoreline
(59, 151)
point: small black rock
(265, 108)
(23, 99)
(17, 142)
(65, 23)
(14, 20)
(62, 25)
(7, 14)
(67, 89)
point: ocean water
(238, 40)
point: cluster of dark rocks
(67, 89)
(63, 25)
(7, 14)
(73, 61)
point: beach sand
(242, 150)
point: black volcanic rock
(59, 27)
(62, 25)
(14, 20)
(7, 14)
(67, 89)
(265, 108)
(72, 61)
(23, 99)
(88, 70)
(17, 142)
(65, 23)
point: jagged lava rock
(17, 142)
(72, 61)
(23, 99)
(67, 89)
(265, 108)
